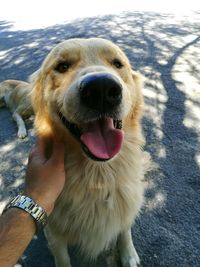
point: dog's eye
(62, 67)
(117, 63)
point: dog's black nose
(101, 92)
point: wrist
(41, 201)
(18, 215)
(29, 206)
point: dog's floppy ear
(136, 113)
(33, 77)
(132, 121)
(42, 120)
(137, 110)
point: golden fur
(100, 199)
(16, 95)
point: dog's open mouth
(100, 139)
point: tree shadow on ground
(161, 47)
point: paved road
(166, 50)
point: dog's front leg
(20, 124)
(58, 248)
(127, 251)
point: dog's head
(86, 91)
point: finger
(41, 146)
(38, 151)
(58, 152)
(32, 153)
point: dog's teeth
(119, 124)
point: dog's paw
(130, 258)
(61, 263)
(22, 133)
(130, 262)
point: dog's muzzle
(101, 138)
(101, 92)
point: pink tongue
(102, 139)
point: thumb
(58, 152)
(38, 152)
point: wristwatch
(27, 204)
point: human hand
(45, 177)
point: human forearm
(17, 228)
(45, 178)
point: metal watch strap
(27, 204)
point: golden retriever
(87, 94)
(16, 95)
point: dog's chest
(96, 205)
